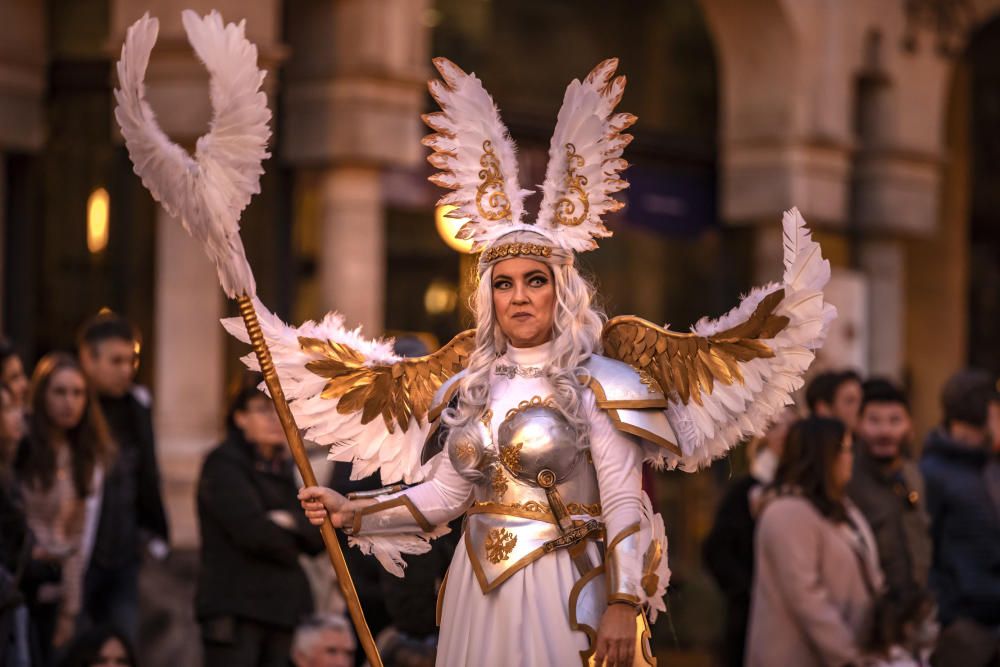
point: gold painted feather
(686, 364)
(396, 391)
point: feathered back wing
(585, 158)
(475, 154)
(209, 191)
(729, 377)
(355, 395)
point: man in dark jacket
(965, 518)
(888, 488)
(252, 592)
(132, 515)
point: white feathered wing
(209, 191)
(734, 412)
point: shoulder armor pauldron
(634, 403)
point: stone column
(189, 369)
(22, 91)
(884, 264)
(352, 256)
(352, 107)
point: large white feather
(734, 412)
(209, 191)
(588, 140)
(468, 120)
(369, 446)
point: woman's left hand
(65, 629)
(616, 636)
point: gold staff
(208, 192)
(305, 469)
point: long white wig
(576, 334)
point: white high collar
(528, 356)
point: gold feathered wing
(354, 395)
(401, 392)
(729, 377)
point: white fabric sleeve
(618, 461)
(437, 501)
(443, 497)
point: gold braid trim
(514, 249)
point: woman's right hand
(319, 501)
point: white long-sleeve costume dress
(505, 600)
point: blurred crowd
(842, 546)
(81, 512)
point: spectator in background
(816, 572)
(12, 373)
(100, 647)
(61, 468)
(888, 488)
(836, 394)
(324, 641)
(728, 549)
(965, 520)
(132, 508)
(15, 540)
(251, 589)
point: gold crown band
(514, 249)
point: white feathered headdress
(477, 160)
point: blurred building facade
(877, 119)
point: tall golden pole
(305, 469)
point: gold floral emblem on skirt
(499, 543)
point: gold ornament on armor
(491, 200)
(499, 543)
(499, 481)
(510, 456)
(566, 207)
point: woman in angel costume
(536, 424)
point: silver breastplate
(511, 518)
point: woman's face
(524, 298)
(843, 465)
(113, 654)
(66, 398)
(12, 375)
(260, 424)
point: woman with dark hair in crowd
(816, 573)
(14, 539)
(12, 373)
(252, 591)
(100, 647)
(60, 468)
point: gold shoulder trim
(612, 409)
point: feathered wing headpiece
(208, 191)
(478, 161)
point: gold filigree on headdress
(477, 160)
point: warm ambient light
(98, 205)
(440, 298)
(448, 227)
